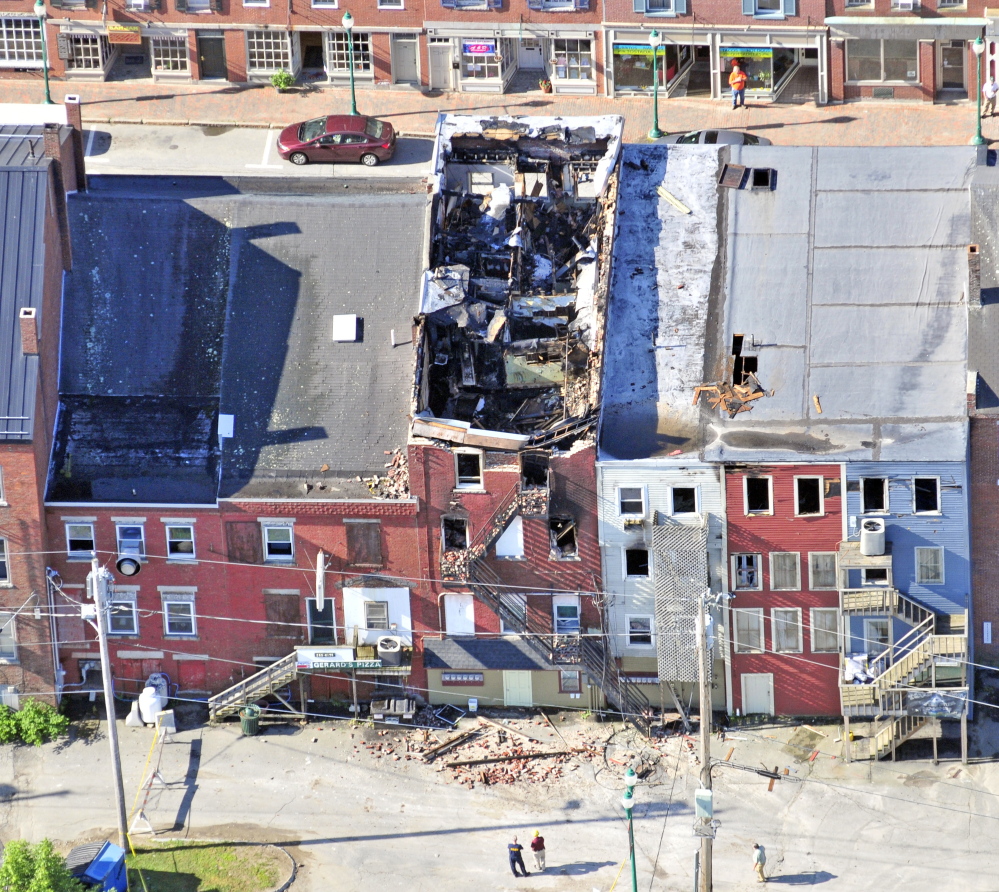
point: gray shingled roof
(508, 652)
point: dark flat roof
(508, 652)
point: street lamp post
(654, 42)
(348, 24)
(630, 778)
(40, 13)
(979, 47)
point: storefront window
(633, 65)
(784, 62)
(479, 59)
(338, 52)
(90, 51)
(169, 54)
(20, 41)
(881, 60)
(268, 51)
(756, 62)
(572, 59)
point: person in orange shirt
(737, 81)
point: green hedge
(34, 723)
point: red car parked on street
(338, 138)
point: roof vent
(345, 328)
(28, 320)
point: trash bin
(249, 720)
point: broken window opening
(875, 576)
(684, 500)
(874, 494)
(745, 365)
(534, 470)
(455, 532)
(809, 495)
(468, 467)
(926, 492)
(562, 531)
(757, 495)
(636, 562)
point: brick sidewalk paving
(853, 124)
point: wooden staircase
(898, 730)
(264, 683)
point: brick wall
(984, 462)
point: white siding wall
(631, 596)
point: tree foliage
(39, 868)
(34, 723)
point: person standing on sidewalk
(516, 857)
(538, 847)
(989, 92)
(759, 862)
(737, 81)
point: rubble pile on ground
(394, 483)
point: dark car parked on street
(338, 138)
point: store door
(758, 693)
(211, 56)
(951, 56)
(531, 55)
(517, 689)
(405, 69)
(440, 65)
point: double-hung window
(8, 637)
(4, 564)
(131, 540)
(124, 616)
(179, 617)
(279, 542)
(746, 573)
(631, 501)
(930, 566)
(748, 622)
(376, 615)
(79, 541)
(180, 541)
(639, 631)
(786, 630)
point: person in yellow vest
(737, 81)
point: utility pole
(704, 874)
(97, 582)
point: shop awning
(885, 28)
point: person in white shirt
(989, 92)
(759, 862)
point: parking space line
(267, 154)
(90, 146)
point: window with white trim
(279, 542)
(825, 630)
(468, 470)
(683, 500)
(180, 542)
(338, 53)
(785, 571)
(391, 4)
(169, 53)
(758, 495)
(631, 501)
(930, 566)
(808, 496)
(873, 495)
(178, 614)
(4, 563)
(786, 630)
(748, 627)
(88, 52)
(123, 617)
(882, 60)
(746, 574)
(131, 539)
(79, 541)
(268, 51)
(3, 491)
(256, 3)
(572, 59)
(822, 570)
(570, 681)
(8, 637)
(636, 562)
(20, 41)
(926, 495)
(566, 609)
(639, 631)
(376, 616)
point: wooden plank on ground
(508, 729)
(515, 758)
(673, 200)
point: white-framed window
(785, 571)
(746, 575)
(325, 4)
(391, 4)
(930, 566)
(631, 501)
(748, 623)
(808, 496)
(875, 576)
(338, 53)
(637, 564)
(683, 500)
(88, 52)
(570, 681)
(822, 570)
(180, 541)
(926, 495)
(169, 53)
(572, 59)
(123, 618)
(79, 541)
(268, 51)
(321, 623)
(131, 539)
(566, 610)
(3, 491)
(20, 42)
(653, 6)
(873, 495)
(877, 634)
(179, 618)
(4, 564)
(279, 542)
(639, 631)
(825, 630)
(468, 469)
(376, 616)
(256, 3)
(859, 2)
(758, 495)
(882, 60)
(8, 637)
(786, 630)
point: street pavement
(355, 821)
(413, 113)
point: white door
(517, 689)
(758, 694)
(440, 66)
(405, 69)
(530, 55)
(459, 614)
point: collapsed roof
(512, 303)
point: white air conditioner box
(390, 650)
(872, 537)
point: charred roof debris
(511, 324)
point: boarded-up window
(243, 542)
(284, 615)
(825, 630)
(364, 542)
(787, 630)
(822, 567)
(785, 567)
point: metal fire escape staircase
(587, 652)
(265, 683)
(905, 665)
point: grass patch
(192, 866)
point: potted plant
(281, 80)
(545, 84)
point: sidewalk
(412, 112)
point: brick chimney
(50, 140)
(28, 319)
(74, 117)
(974, 276)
